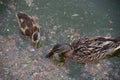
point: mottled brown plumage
(28, 27)
(86, 49)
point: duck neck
(69, 53)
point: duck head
(35, 38)
(60, 52)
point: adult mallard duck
(28, 27)
(85, 49)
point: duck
(85, 49)
(28, 27)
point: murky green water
(60, 19)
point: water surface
(59, 20)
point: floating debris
(110, 21)
(32, 50)
(74, 15)
(8, 30)
(71, 37)
(29, 2)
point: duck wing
(26, 24)
(25, 20)
(89, 49)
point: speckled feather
(28, 27)
(89, 49)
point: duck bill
(49, 55)
(36, 44)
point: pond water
(59, 20)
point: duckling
(28, 27)
(86, 49)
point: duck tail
(117, 39)
(117, 48)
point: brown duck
(86, 49)
(28, 27)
